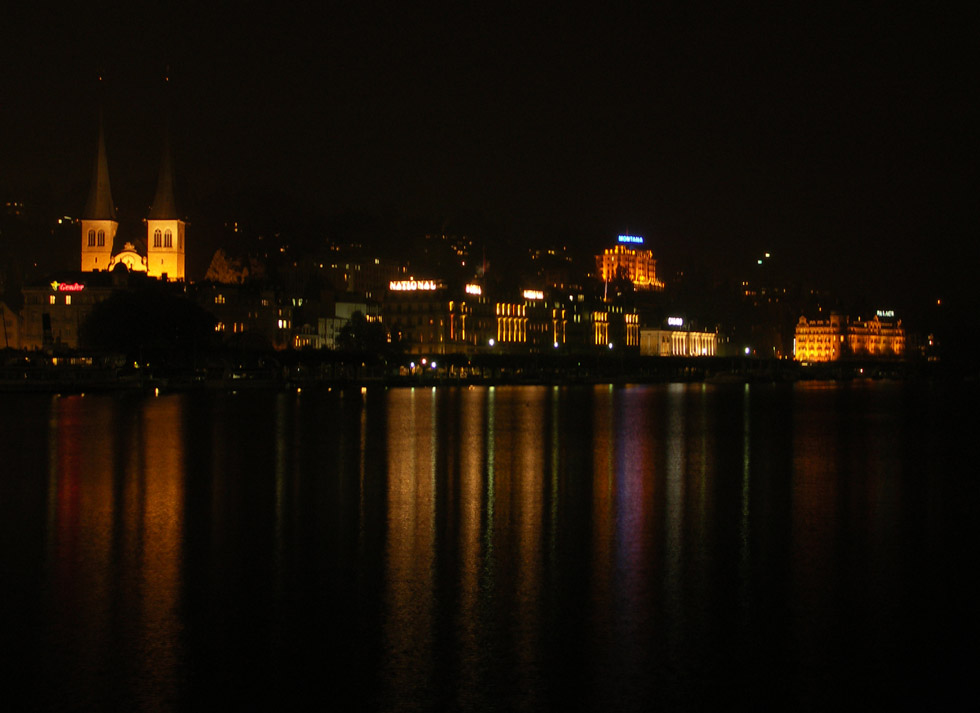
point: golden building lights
(832, 339)
(627, 260)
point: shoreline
(72, 379)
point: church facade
(102, 250)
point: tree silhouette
(149, 323)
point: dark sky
(840, 138)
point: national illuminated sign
(533, 294)
(675, 321)
(474, 290)
(412, 285)
(631, 239)
(886, 313)
(67, 286)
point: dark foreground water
(672, 547)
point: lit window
(168, 240)
(157, 238)
(51, 299)
(101, 238)
(67, 299)
(91, 238)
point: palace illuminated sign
(67, 286)
(412, 285)
(675, 321)
(631, 239)
(886, 313)
(474, 290)
(533, 294)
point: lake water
(668, 547)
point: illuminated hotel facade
(428, 318)
(55, 312)
(626, 259)
(677, 342)
(838, 337)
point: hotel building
(429, 318)
(881, 337)
(626, 259)
(675, 340)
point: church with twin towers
(104, 250)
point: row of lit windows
(511, 310)
(235, 327)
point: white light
(411, 365)
(533, 295)
(610, 345)
(492, 341)
(675, 321)
(556, 345)
(411, 285)
(747, 350)
(433, 365)
(474, 290)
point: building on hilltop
(103, 250)
(626, 260)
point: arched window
(91, 238)
(168, 241)
(101, 238)
(156, 238)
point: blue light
(634, 239)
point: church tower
(164, 230)
(99, 222)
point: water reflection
(115, 536)
(509, 547)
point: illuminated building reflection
(512, 548)
(116, 528)
(411, 536)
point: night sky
(840, 138)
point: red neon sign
(68, 286)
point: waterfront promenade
(287, 370)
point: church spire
(100, 205)
(164, 206)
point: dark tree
(149, 323)
(361, 335)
